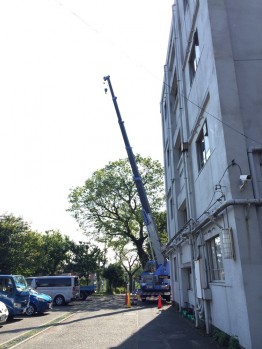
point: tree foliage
(26, 252)
(114, 273)
(55, 252)
(85, 259)
(108, 207)
(129, 261)
(13, 233)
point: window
(185, 5)
(172, 59)
(203, 148)
(6, 286)
(190, 279)
(182, 215)
(53, 282)
(171, 208)
(76, 281)
(194, 57)
(168, 156)
(174, 89)
(216, 266)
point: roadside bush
(119, 290)
(224, 339)
(221, 337)
(233, 343)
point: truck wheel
(30, 310)
(83, 295)
(59, 300)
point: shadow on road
(155, 328)
(169, 330)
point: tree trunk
(143, 257)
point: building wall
(221, 93)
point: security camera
(244, 179)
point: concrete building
(211, 108)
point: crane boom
(146, 210)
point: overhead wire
(201, 108)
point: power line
(81, 19)
(202, 109)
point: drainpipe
(256, 202)
(179, 263)
(253, 169)
(194, 277)
(233, 202)
(207, 322)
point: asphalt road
(105, 323)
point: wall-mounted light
(244, 179)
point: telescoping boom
(146, 210)
(155, 278)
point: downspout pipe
(250, 154)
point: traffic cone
(159, 302)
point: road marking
(30, 334)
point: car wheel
(59, 300)
(30, 310)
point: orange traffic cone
(159, 302)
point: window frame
(194, 57)
(215, 259)
(203, 146)
(185, 4)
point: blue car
(14, 293)
(38, 303)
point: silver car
(3, 313)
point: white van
(62, 289)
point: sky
(57, 124)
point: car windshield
(32, 291)
(150, 266)
(20, 283)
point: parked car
(63, 289)
(38, 303)
(3, 313)
(14, 293)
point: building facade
(211, 109)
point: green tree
(108, 207)
(114, 273)
(129, 261)
(12, 233)
(23, 251)
(84, 259)
(55, 253)
(31, 248)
